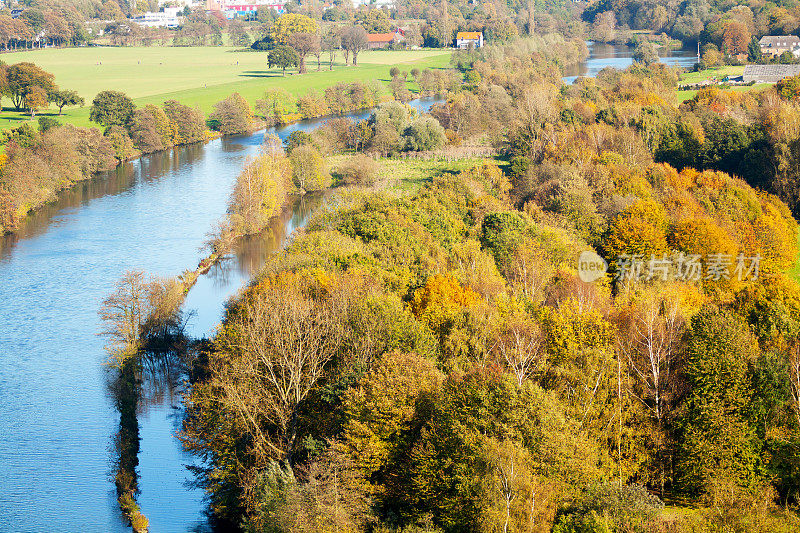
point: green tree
(112, 108)
(308, 169)
(423, 134)
(283, 56)
(64, 97)
(754, 54)
(717, 442)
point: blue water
(57, 419)
(621, 57)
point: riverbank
(11, 219)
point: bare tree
(304, 44)
(354, 40)
(331, 42)
(282, 341)
(124, 313)
(650, 340)
(142, 314)
(519, 345)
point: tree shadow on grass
(261, 74)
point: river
(57, 417)
(620, 56)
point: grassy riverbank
(196, 76)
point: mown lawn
(688, 95)
(197, 76)
(715, 72)
(718, 73)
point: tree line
(435, 361)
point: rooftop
(779, 40)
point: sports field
(198, 76)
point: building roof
(769, 72)
(468, 35)
(380, 37)
(779, 40)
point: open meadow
(196, 76)
(716, 73)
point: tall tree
(331, 42)
(718, 443)
(651, 332)
(304, 44)
(354, 40)
(283, 57)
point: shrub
(425, 133)
(45, 123)
(610, 506)
(308, 169)
(297, 138)
(359, 170)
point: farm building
(769, 73)
(382, 40)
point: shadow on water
(146, 380)
(110, 183)
(148, 214)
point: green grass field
(709, 73)
(196, 76)
(688, 95)
(718, 73)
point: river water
(620, 56)
(57, 417)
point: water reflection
(113, 182)
(57, 412)
(620, 56)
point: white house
(160, 19)
(469, 39)
(775, 45)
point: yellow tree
(35, 99)
(292, 23)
